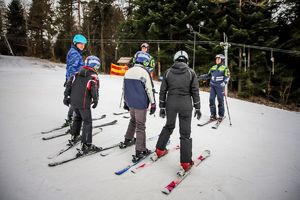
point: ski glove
(197, 114)
(223, 84)
(152, 108)
(125, 107)
(67, 101)
(95, 103)
(162, 113)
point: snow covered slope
(256, 158)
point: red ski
(169, 188)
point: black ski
(148, 139)
(70, 145)
(65, 125)
(121, 113)
(106, 124)
(78, 155)
(207, 122)
(218, 123)
(56, 136)
(55, 129)
(101, 117)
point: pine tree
(66, 28)
(16, 29)
(40, 25)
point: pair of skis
(152, 161)
(173, 184)
(66, 133)
(70, 145)
(216, 125)
(78, 155)
(148, 139)
(66, 125)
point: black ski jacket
(83, 88)
(179, 86)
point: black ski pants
(85, 116)
(185, 118)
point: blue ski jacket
(74, 61)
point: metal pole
(194, 50)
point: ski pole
(121, 98)
(228, 110)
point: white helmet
(221, 56)
(181, 56)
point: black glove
(152, 108)
(197, 114)
(95, 103)
(65, 83)
(125, 107)
(162, 113)
(67, 101)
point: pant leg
(185, 119)
(87, 128)
(220, 97)
(70, 113)
(212, 96)
(77, 121)
(167, 129)
(131, 126)
(140, 119)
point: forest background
(263, 37)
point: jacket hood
(179, 68)
(87, 71)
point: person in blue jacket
(74, 63)
(138, 95)
(219, 76)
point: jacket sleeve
(95, 89)
(205, 76)
(68, 88)
(163, 91)
(74, 63)
(226, 75)
(195, 91)
(149, 87)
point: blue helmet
(93, 61)
(78, 38)
(142, 58)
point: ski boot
(140, 155)
(184, 168)
(213, 118)
(127, 143)
(74, 139)
(67, 123)
(86, 148)
(158, 153)
(220, 118)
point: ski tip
(165, 191)
(206, 153)
(51, 165)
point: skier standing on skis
(179, 93)
(219, 77)
(144, 58)
(138, 94)
(74, 63)
(81, 92)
